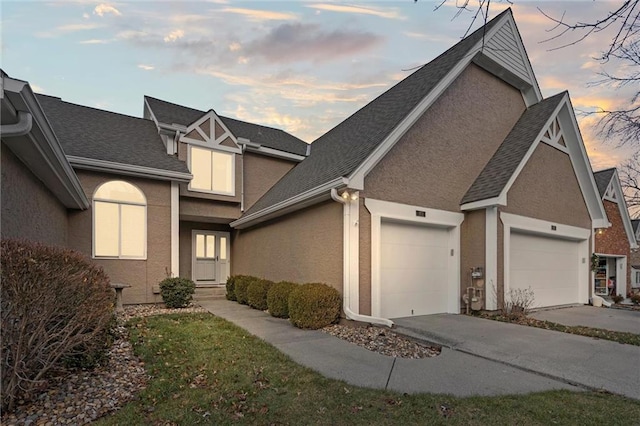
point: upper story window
(213, 171)
(119, 221)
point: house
(635, 258)
(459, 184)
(613, 245)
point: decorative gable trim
(356, 179)
(554, 136)
(209, 131)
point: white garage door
(548, 265)
(414, 270)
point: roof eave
(44, 154)
(128, 169)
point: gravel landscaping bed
(87, 395)
(383, 341)
(84, 396)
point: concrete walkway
(589, 316)
(453, 372)
(582, 361)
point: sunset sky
(299, 66)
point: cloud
(36, 88)
(95, 41)
(260, 15)
(105, 9)
(388, 13)
(85, 15)
(299, 42)
(436, 38)
(77, 27)
(146, 67)
(173, 36)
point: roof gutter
(128, 169)
(21, 128)
(346, 262)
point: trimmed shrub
(241, 286)
(257, 294)
(314, 306)
(617, 298)
(56, 305)
(636, 299)
(177, 292)
(231, 287)
(278, 298)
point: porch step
(209, 293)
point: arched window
(119, 221)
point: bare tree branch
(630, 180)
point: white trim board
(385, 210)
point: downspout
(21, 128)
(346, 290)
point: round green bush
(177, 292)
(257, 294)
(314, 306)
(241, 286)
(278, 299)
(231, 287)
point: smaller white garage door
(414, 270)
(548, 265)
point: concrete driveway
(577, 360)
(589, 316)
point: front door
(210, 252)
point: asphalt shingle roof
(103, 135)
(170, 113)
(495, 175)
(341, 150)
(603, 177)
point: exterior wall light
(349, 196)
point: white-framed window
(213, 171)
(119, 221)
(637, 277)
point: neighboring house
(461, 175)
(635, 257)
(613, 245)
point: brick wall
(614, 240)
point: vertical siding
(142, 275)
(504, 48)
(304, 246)
(29, 209)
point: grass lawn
(207, 370)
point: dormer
(211, 155)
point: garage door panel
(548, 265)
(414, 270)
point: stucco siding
(260, 174)
(142, 275)
(196, 209)
(364, 244)
(547, 189)
(437, 160)
(29, 210)
(304, 246)
(472, 248)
